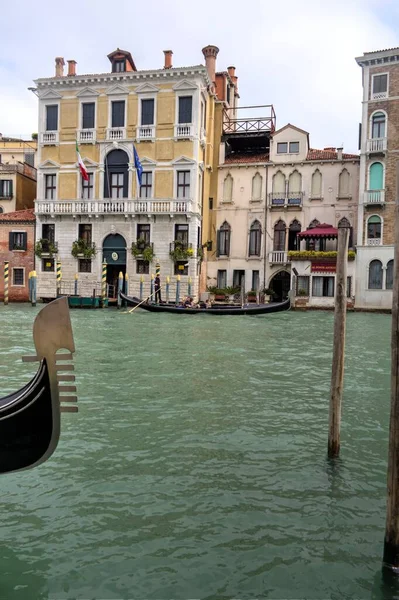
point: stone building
(17, 240)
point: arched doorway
(114, 253)
(280, 284)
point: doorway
(280, 284)
(114, 254)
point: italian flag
(81, 164)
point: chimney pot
(339, 153)
(168, 59)
(231, 71)
(210, 53)
(59, 66)
(71, 68)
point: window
(294, 229)
(6, 188)
(18, 277)
(255, 281)
(185, 109)
(48, 265)
(49, 187)
(146, 185)
(344, 184)
(380, 86)
(257, 187)
(88, 110)
(116, 163)
(279, 236)
(118, 113)
(295, 188)
(223, 240)
(84, 233)
(221, 279)
(210, 203)
(147, 112)
(181, 235)
(294, 147)
(29, 158)
(183, 184)
(316, 184)
(48, 232)
(389, 275)
(119, 66)
(84, 265)
(255, 237)
(117, 180)
(378, 125)
(181, 267)
(375, 275)
(228, 188)
(282, 147)
(52, 117)
(1, 210)
(374, 230)
(238, 278)
(376, 176)
(302, 285)
(18, 240)
(323, 286)
(142, 267)
(88, 187)
(144, 232)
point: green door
(376, 176)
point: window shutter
(24, 240)
(228, 243)
(118, 114)
(52, 117)
(88, 115)
(10, 240)
(218, 243)
(185, 109)
(147, 112)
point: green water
(196, 467)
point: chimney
(339, 153)
(231, 71)
(59, 66)
(210, 53)
(71, 68)
(168, 59)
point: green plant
(269, 292)
(34, 136)
(142, 249)
(148, 254)
(251, 293)
(212, 289)
(200, 253)
(45, 246)
(314, 254)
(81, 247)
(230, 291)
(180, 252)
(302, 292)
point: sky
(298, 56)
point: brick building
(17, 241)
(377, 186)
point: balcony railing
(278, 257)
(146, 132)
(116, 134)
(178, 245)
(379, 95)
(284, 200)
(139, 247)
(49, 138)
(86, 136)
(234, 120)
(183, 131)
(374, 242)
(104, 207)
(374, 197)
(376, 145)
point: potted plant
(269, 294)
(180, 252)
(232, 291)
(83, 249)
(302, 292)
(220, 295)
(251, 296)
(148, 254)
(141, 243)
(45, 247)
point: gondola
(257, 309)
(30, 417)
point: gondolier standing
(157, 284)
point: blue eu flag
(138, 166)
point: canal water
(196, 466)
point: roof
(324, 230)
(292, 127)
(19, 216)
(378, 51)
(328, 154)
(126, 54)
(243, 158)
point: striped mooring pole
(5, 282)
(104, 283)
(167, 288)
(76, 284)
(141, 286)
(152, 286)
(32, 284)
(189, 287)
(120, 288)
(177, 289)
(59, 277)
(158, 270)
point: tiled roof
(18, 216)
(246, 158)
(122, 74)
(328, 154)
(378, 51)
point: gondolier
(157, 287)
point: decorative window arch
(295, 182)
(314, 223)
(376, 176)
(228, 188)
(279, 236)
(344, 184)
(223, 240)
(374, 230)
(255, 238)
(317, 181)
(293, 230)
(389, 275)
(375, 275)
(279, 183)
(378, 124)
(257, 187)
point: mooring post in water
(33, 282)
(59, 277)
(167, 288)
(141, 286)
(120, 289)
(189, 287)
(177, 290)
(126, 287)
(152, 286)
(76, 284)
(337, 374)
(103, 283)
(391, 542)
(6, 264)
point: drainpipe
(265, 234)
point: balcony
(379, 95)
(183, 131)
(116, 134)
(278, 257)
(374, 242)
(145, 133)
(235, 121)
(286, 200)
(143, 250)
(49, 138)
(376, 145)
(87, 136)
(374, 197)
(123, 207)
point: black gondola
(257, 309)
(30, 418)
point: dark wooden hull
(257, 309)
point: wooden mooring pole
(391, 542)
(337, 374)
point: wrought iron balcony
(285, 199)
(179, 245)
(374, 242)
(373, 197)
(139, 246)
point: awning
(324, 230)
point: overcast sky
(298, 56)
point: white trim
(112, 99)
(86, 92)
(366, 229)
(377, 96)
(184, 86)
(12, 279)
(117, 90)
(87, 100)
(150, 129)
(370, 124)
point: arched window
(375, 275)
(116, 174)
(374, 230)
(314, 223)
(344, 184)
(294, 229)
(257, 187)
(376, 176)
(279, 183)
(279, 236)
(378, 125)
(389, 275)
(223, 240)
(228, 189)
(316, 184)
(295, 188)
(1, 210)
(255, 238)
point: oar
(142, 302)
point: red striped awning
(324, 230)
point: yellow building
(17, 174)
(168, 115)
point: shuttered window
(147, 112)
(18, 240)
(52, 117)
(88, 109)
(118, 113)
(375, 275)
(380, 84)
(6, 188)
(185, 109)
